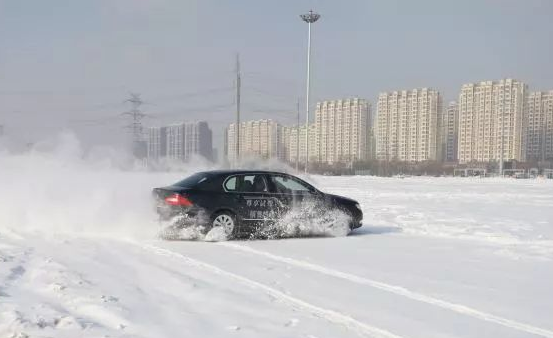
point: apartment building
(450, 123)
(258, 139)
(538, 140)
(295, 147)
(548, 127)
(343, 130)
(180, 141)
(491, 121)
(175, 141)
(198, 140)
(156, 139)
(408, 125)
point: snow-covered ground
(437, 257)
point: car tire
(227, 221)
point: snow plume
(305, 220)
(190, 229)
(56, 187)
(308, 219)
(175, 165)
(271, 164)
(193, 229)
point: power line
(272, 95)
(206, 109)
(200, 93)
(219, 108)
(272, 79)
(176, 97)
(86, 90)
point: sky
(70, 65)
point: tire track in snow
(330, 315)
(398, 290)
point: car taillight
(178, 200)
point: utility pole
(298, 138)
(237, 130)
(310, 18)
(135, 126)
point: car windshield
(192, 181)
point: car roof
(225, 172)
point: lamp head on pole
(310, 17)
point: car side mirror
(313, 191)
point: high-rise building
(548, 148)
(343, 129)
(198, 140)
(539, 126)
(157, 142)
(450, 123)
(292, 143)
(259, 139)
(408, 125)
(181, 141)
(491, 121)
(1, 130)
(175, 142)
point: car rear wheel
(225, 221)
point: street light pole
(310, 18)
(298, 139)
(237, 129)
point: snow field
(437, 257)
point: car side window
(230, 184)
(285, 184)
(253, 183)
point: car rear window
(192, 181)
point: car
(243, 202)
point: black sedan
(244, 202)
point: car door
(293, 193)
(255, 203)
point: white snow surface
(436, 257)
